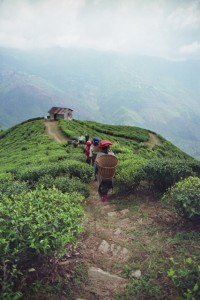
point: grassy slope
(131, 138)
(26, 145)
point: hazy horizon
(161, 28)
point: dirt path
(153, 140)
(103, 249)
(53, 131)
(107, 243)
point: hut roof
(59, 110)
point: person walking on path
(105, 183)
(87, 152)
(94, 149)
(81, 139)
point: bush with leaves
(184, 197)
(71, 168)
(163, 173)
(32, 225)
(46, 181)
(195, 165)
(65, 184)
(185, 276)
(129, 174)
(70, 185)
(9, 186)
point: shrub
(70, 168)
(9, 186)
(70, 185)
(117, 148)
(65, 184)
(195, 165)
(129, 174)
(185, 276)
(184, 197)
(47, 181)
(34, 224)
(163, 173)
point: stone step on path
(104, 283)
(116, 250)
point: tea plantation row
(44, 186)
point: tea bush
(46, 181)
(70, 168)
(129, 174)
(184, 197)
(130, 132)
(195, 165)
(9, 186)
(70, 185)
(185, 276)
(163, 173)
(119, 149)
(32, 225)
(65, 184)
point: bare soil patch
(53, 131)
(153, 140)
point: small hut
(56, 113)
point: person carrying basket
(94, 149)
(105, 165)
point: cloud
(156, 27)
(192, 48)
(186, 16)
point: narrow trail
(107, 243)
(53, 131)
(153, 140)
(104, 247)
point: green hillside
(44, 190)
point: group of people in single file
(94, 149)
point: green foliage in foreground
(71, 168)
(64, 184)
(158, 174)
(185, 276)
(129, 174)
(163, 173)
(35, 224)
(10, 186)
(184, 197)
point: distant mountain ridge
(147, 92)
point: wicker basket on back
(107, 165)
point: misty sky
(166, 28)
